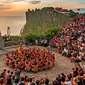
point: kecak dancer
(20, 49)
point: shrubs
(31, 37)
(72, 14)
(13, 38)
(51, 32)
(43, 38)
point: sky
(19, 7)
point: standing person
(29, 81)
(26, 80)
(16, 81)
(20, 49)
(48, 48)
(83, 79)
(47, 81)
(59, 78)
(55, 82)
(7, 77)
(33, 80)
(9, 82)
(1, 81)
(17, 73)
(36, 42)
(68, 82)
(75, 80)
(63, 77)
(4, 73)
(22, 81)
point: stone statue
(8, 33)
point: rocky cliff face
(39, 20)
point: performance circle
(31, 59)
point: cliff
(39, 20)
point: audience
(70, 41)
(72, 78)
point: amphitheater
(62, 64)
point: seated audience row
(75, 77)
(70, 41)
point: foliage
(48, 34)
(83, 14)
(41, 19)
(51, 32)
(15, 38)
(31, 37)
(72, 14)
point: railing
(10, 43)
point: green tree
(31, 37)
(48, 34)
(51, 32)
(83, 14)
(72, 14)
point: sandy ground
(62, 64)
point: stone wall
(1, 42)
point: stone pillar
(2, 44)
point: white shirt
(28, 83)
(68, 83)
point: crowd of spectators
(75, 77)
(70, 41)
(42, 42)
(31, 59)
